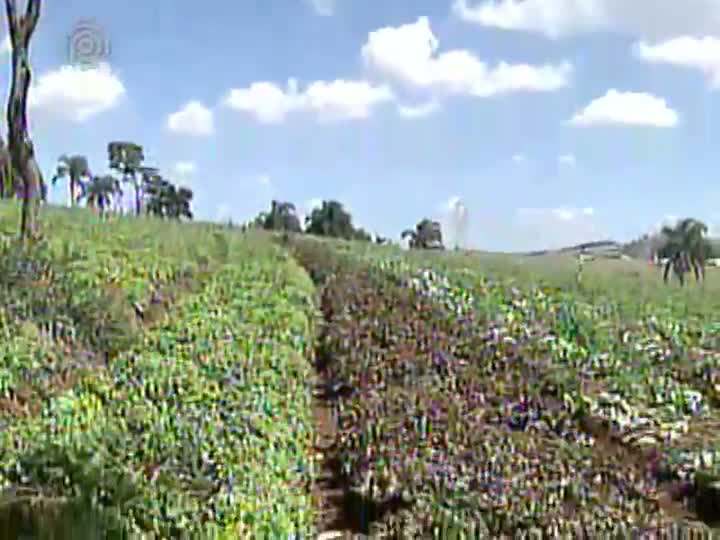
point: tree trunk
(72, 186)
(22, 155)
(138, 208)
(6, 180)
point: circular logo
(88, 45)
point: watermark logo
(88, 45)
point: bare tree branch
(32, 15)
(12, 20)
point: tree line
(20, 175)
(332, 219)
(153, 194)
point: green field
(159, 380)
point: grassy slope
(129, 260)
(139, 434)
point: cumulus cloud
(324, 8)
(702, 54)
(335, 100)
(627, 108)
(76, 94)
(567, 159)
(410, 54)
(554, 228)
(562, 18)
(345, 99)
(193, 119)
(418, 111)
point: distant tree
(146, 175)
(166, 200)
(99, 192)
(361, 235)
(426, 235)
(332, 219)
(686, 247)
(127, 159)
(281, 217)
(74, 168)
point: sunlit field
(161, 378)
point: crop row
(200, 427)
(468, 405)
(70, 305)
(654, 379)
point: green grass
(159, 435)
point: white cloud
(184, 168)
(567, 159)
(345, 99)
(192, 119)
(702, 54)
(519, 158)
(418, 111)
(75, 93)
(334, 100)
(264, 180)
(409, 53)
(627, 108)
(553, 228)
(324, 8)
(561, 18)
(5, 46)
(266, 101)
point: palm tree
(127, 158)
(181, 200)
(165, 200)
(147, 176)
(427, 235)
(75, 168)
(100, 190)
(685, 247)
(698, 246)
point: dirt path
(330, 495)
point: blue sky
(554, 121)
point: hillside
(637, 249)
(598, 246)
(169, 378)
